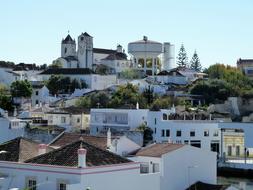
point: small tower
(85, 50)
(119, 49)
(68, 47)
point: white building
(11, 128)
(76, 166)
(93, 81)
(83, 55)
(116, 119)
(40, 94)
(70, 118)
(146, 55)
(179, 166)
(171, 77)
(120, 145)
(204, 134)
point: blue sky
(220, 31)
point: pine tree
(195, 62)
(182, 59)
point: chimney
(15, 112)
(82, 157)
(42, 149)
(109, 138)
(137, 105)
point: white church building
(83, 55)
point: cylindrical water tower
(168, 56)
(145, 55)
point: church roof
(68, 39)
(86, 34)
(116, 56)
(67, 71)
(103, 51)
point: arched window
(165, 116)
(65, 50)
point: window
(155, 121)
(36, 92)
(31, 183)
(165, 116)
(186, 142)
(155, 130)
(196, 144)
(167, 132)
(63, 119)
(206, 133)
(65, 50)
(216, 133)
(37, 102)
(237, 150)
(192, 133)
(62, 186)
(229, 151)
(155, 167)
(163, 133)
(144, 168)
(78, 120)
(179, 133)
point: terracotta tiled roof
(67, 138)
(67, 156)
(204, 186)
(19, 150)
(157, 150)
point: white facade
(99, 178)
(199, 133)
(68, 120)
(11, 128)
(93, 81)
(122, 146)
(85, 51)
(181, 168)
(40, 96)
(116, 119)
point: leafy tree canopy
(21, 88)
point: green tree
(102, 69)
(125, 95)
(100, 100)
(83, 102)
(21, 89)
(147, 133)
(161, 103)
(54, 84)
(130, 74)
(56, 64)
(5, 102)
(195, 62)
(182, 59)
